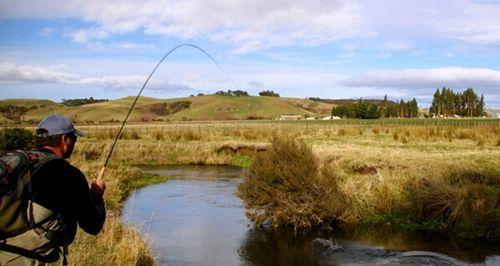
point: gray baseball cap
(53, 125)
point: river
(195, 218)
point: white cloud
(255, 25)
(467, 21)
(249, 25)
(133, 46)
(428, 79)
(12, 73)
(32, 74)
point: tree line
(448, 103)
(236, 93)
(445, 103)
(241, 93)
(370, 110)
(77, 102)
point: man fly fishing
(43, 204)
(36, 227)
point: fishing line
(140, 92)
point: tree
(384, 107)
(413, 108)
(471, 101)
(436, 103)
(479, 111)
(269, 93)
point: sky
(333, 49)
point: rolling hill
(207, 107)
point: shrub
(269, 93)
(453, 202)
(158, 135)
(285, 184)
(16, 138)
(13, 112)
(395, 136)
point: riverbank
(116, 244)
(196, 219)
(373, 163)
(291, 187)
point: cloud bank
(455, 77)
(12, 73)
(247, 25)
(254, 25)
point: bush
(460, 198)
(269, 93)
(168, 108)
(285, 184)
(15, 113)
(16, 138)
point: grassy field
(209, 107)
(442, 177)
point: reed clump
(287, 186)
(466, 201)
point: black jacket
(62, 188)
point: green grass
(209, 107)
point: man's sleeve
(90, 211)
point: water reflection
(275, 247)
(389, 238)
(195, 219)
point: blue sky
(328, 49)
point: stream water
(196, 219)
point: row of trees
(402, 109)
(448, 103)
(240, 93)
(236, 93)
(370, 110)
(77, 102)
(269, 93)
(360, 109)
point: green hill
(209, 107)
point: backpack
(26, 228)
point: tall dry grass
(116, 244)
(288, 186)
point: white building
(330, 118)
(290, 117)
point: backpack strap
(32, 254)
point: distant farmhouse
(290, 117)
(330, 118)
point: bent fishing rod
(101, 173)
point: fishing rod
(101, 173)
